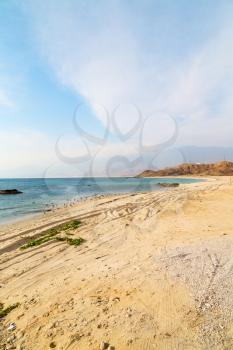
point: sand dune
(154, 273)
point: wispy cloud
(101, 52)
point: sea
(40, 195)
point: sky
(111, 87)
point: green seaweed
(7, 310)
(71, 241)
(36, 242)
(51, 234)
(71, 225)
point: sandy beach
(154, 272)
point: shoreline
(26, 216)
(136, 282)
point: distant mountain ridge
(214, 169)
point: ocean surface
(42, 194)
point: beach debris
(129, 341)
(167, 334)
(20, 335)
(10, 347)
(20, 316)
(111, 347)
(116, 299)
(50, 334)
(52, 345)
(11, 339)
(54, 324)
(11, 326)
(104, 345)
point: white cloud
(100, 53)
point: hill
(214, 169)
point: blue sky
(172, 60)
(36, 98)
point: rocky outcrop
(166, 184)
(13, 191)
(214, 169)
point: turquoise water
(41, 194)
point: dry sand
(155, 272)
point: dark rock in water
(167, 184)
(14, 191)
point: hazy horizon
(167, 159)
